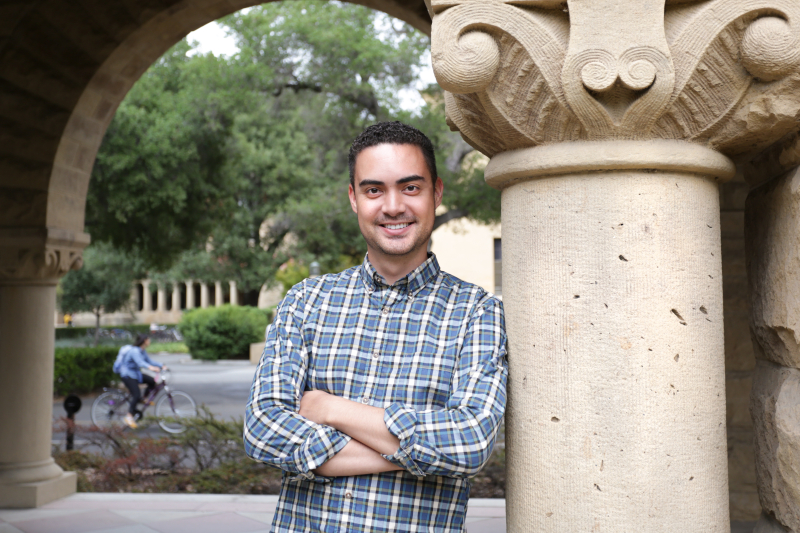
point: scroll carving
(39, 254)
(538, 72)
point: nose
(394, 204)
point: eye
(413, 188)
(372, 190)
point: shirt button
(348, 495)
(375, 354)
(410, 296)
(385, 310)
(365, 400)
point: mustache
(392, 221)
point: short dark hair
(140, 339)
(392, 133)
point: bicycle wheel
(110, 408)
(172, 407)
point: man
(381, 388)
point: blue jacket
(135, 359)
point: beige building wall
(465, 249)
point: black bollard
(72, 404)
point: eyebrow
(401, 181)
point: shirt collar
(415, 280)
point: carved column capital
(39, 255)
(721, 73)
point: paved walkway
(195, 513)
(183, 513)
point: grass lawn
(170, 347)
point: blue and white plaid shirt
(430, 350)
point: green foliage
(291, 273)
(225, 168)
(82, 370)
(103, 285)
(157, 186)
(224, 332)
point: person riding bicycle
(134, 358)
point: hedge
(80, 332)
(223, 332)
(82, 370)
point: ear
(352, 194)
(438, 191)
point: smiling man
(381, 388)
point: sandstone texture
(773, 260)
(776, 414)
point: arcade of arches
(647, 152)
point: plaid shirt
(430, 350)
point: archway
(66, 66)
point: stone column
(161, 297)
(203, 294)
(176, 296)
(134, 302)
(234, 293)
(772, 229)
(28, 475)
(147, 296)
(218, 298)
(189, 294)
(609, 126)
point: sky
(212, 38)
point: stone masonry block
(775, 406)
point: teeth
(396, 226)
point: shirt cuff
(401, 421)
(319, 447)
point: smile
(397, 226)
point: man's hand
(361, 422)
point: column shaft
(189, 294)
(161, 298)
(176, 296)
(234, 293)
(613, 299)
(147, 296)
(203, 294)
(218, 298)
(28, 475)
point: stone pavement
(195, 513)
(184, 513)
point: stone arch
(89, 119)
(65, 66)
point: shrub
(207, 458)
(81, 370)
(223, 332)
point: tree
(103, 285)
(240, 164)
(157, 186)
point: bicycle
(110, 408)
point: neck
(394, 267)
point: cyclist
(133, 360)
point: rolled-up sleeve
(457, 441)
(274, 432)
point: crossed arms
(315, 435)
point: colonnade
(177, 302)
